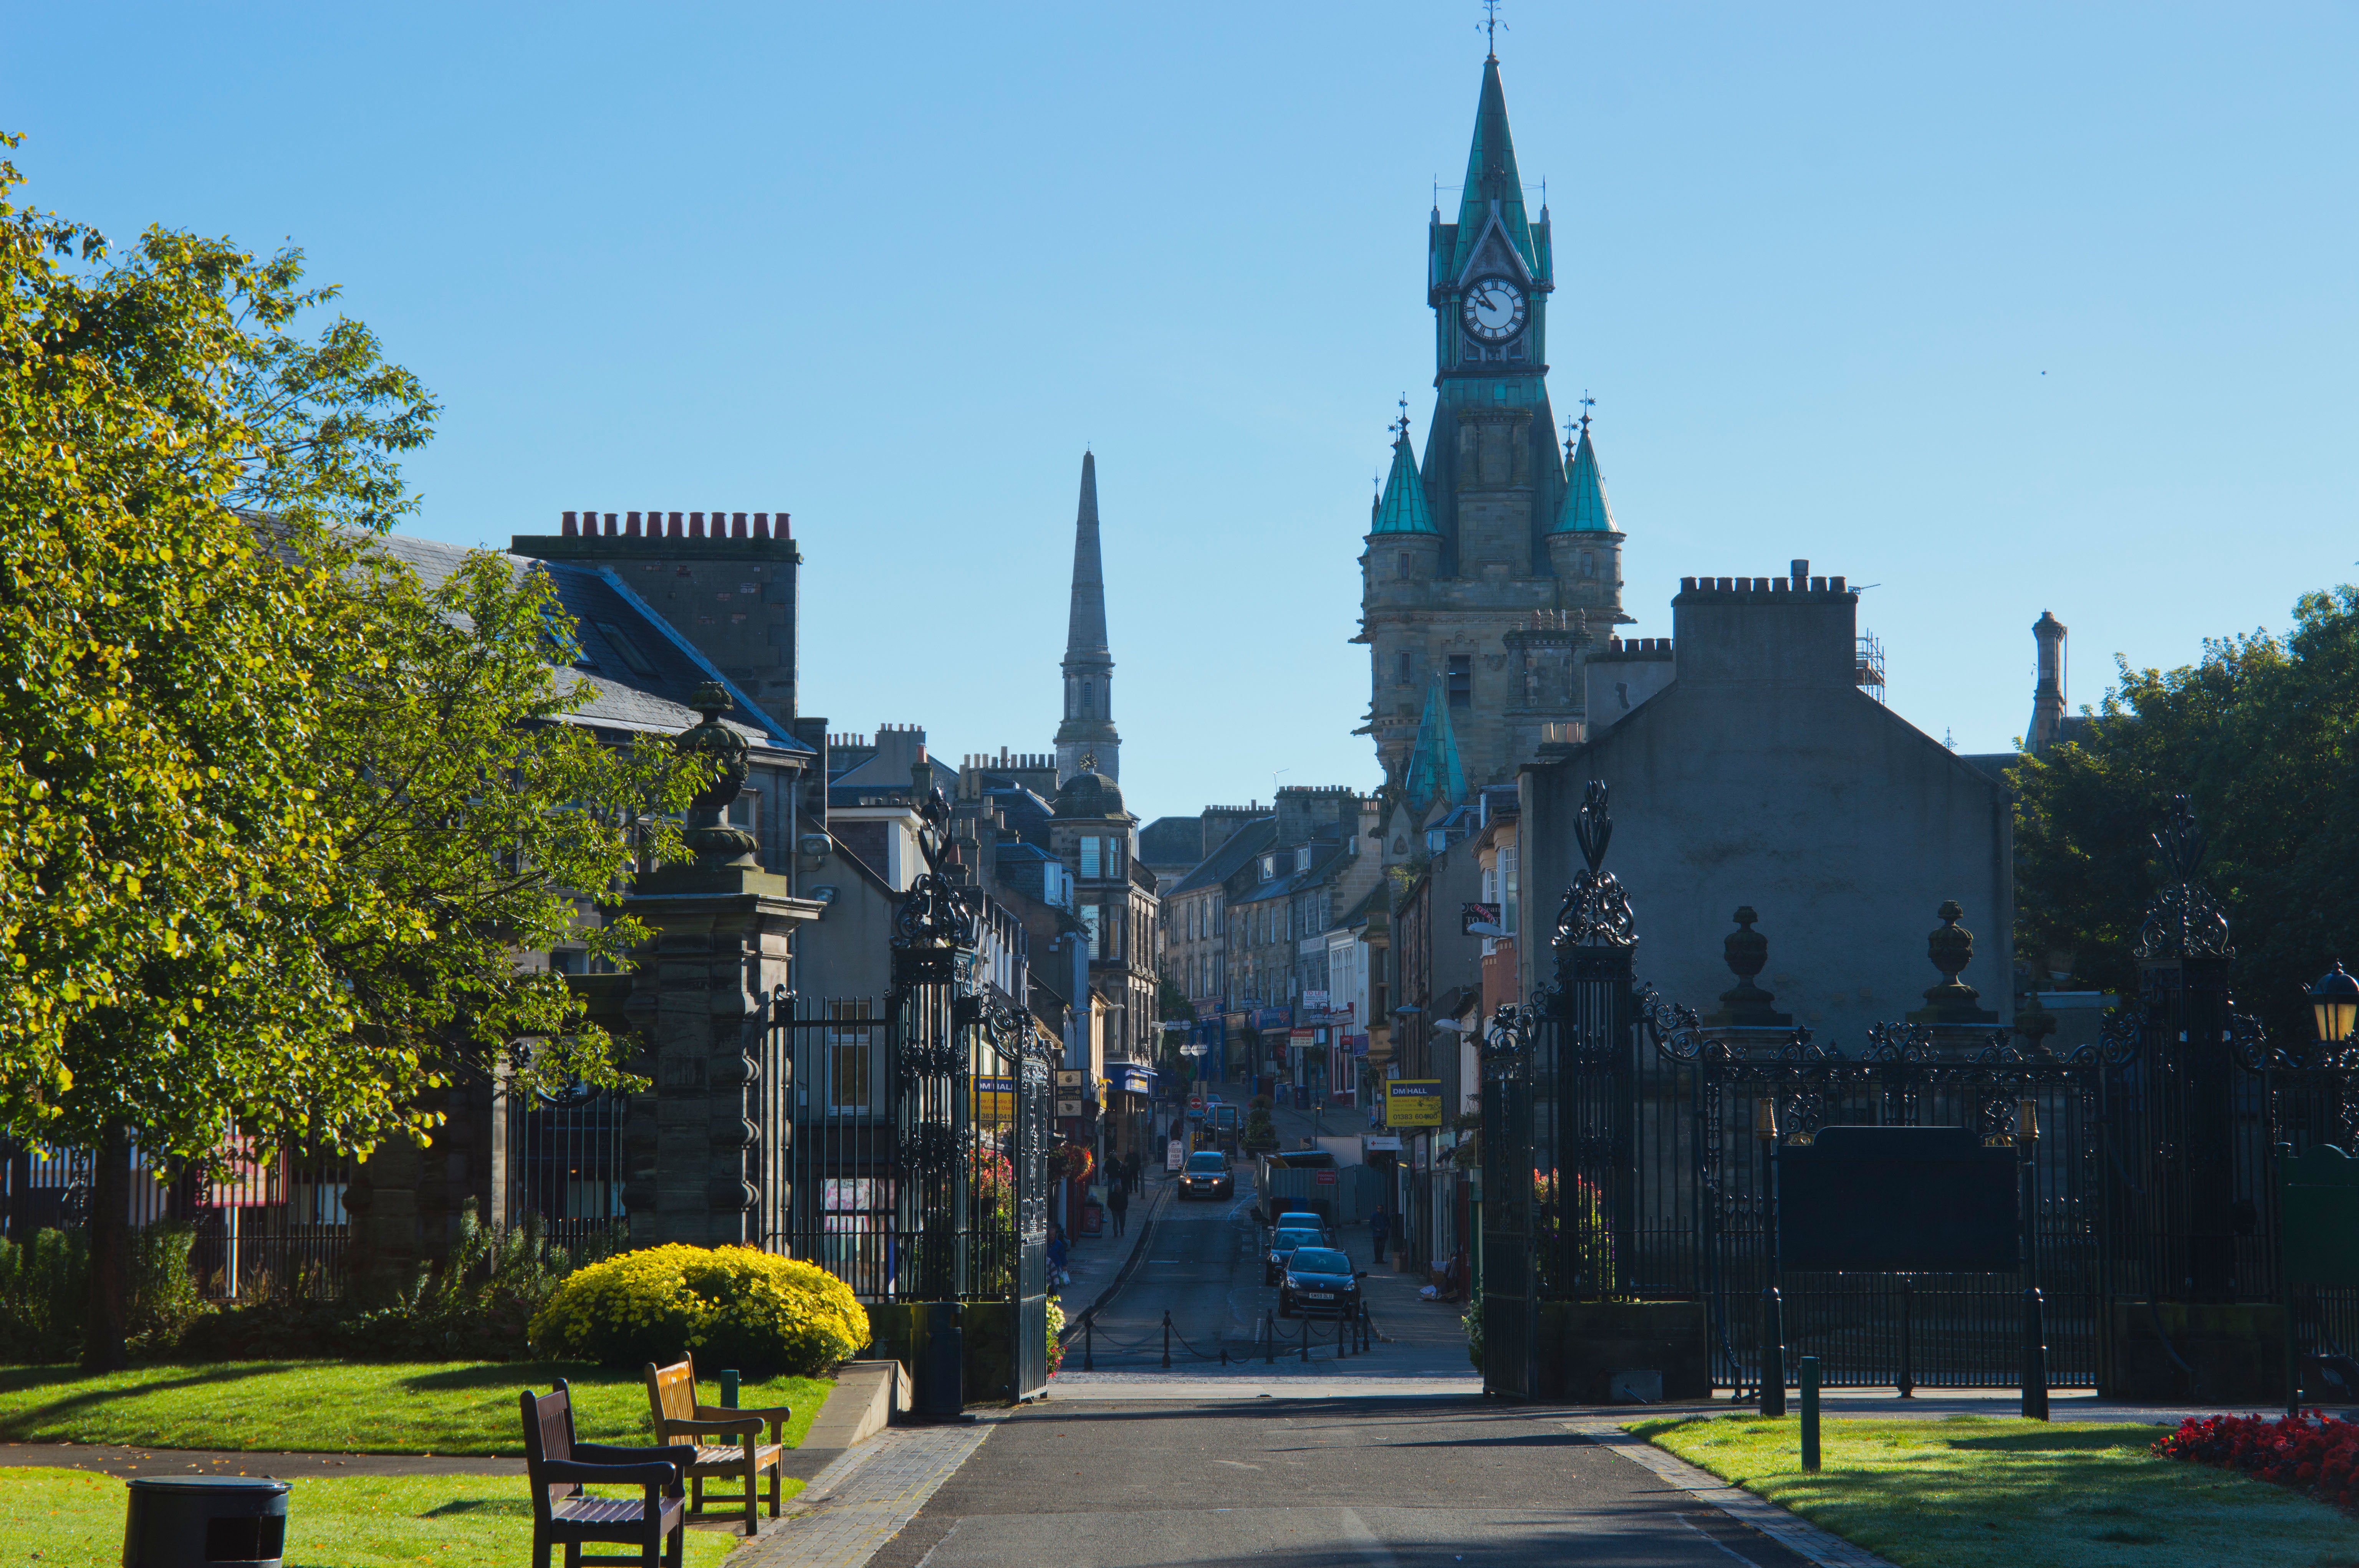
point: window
(1462, 680)
(745, 812)
(1404, 562)
(629, 651)
(1268, 867)
(849, 1056)
(1588, 563)
(1090, 925)
(1507, 891)
(1090, 858)
(1407, 671)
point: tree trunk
(110, 1254)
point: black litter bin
(205, 1522)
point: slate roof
(1223, 862)
(642, 674)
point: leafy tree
(2259, 734)
(274, 815)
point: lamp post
(2034, 1320)
(2334, 1006)
(1773, 1305)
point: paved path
(860, 1501)
(1316, 1482)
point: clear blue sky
(2004, 308)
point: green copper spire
(1403, 509)
(1491, 177)
(1585, 510)
(1434, 772)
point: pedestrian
(1056, 1253)
(1118, 1204)
(1380, 1226)
(1135, 1174)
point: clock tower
(1486, 589)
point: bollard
(729, 1388)
(1810, 1413)
(1907, 1337)
(1090, 1343)
(1167, 1338)
(1268, 1340)
(1339, 1337)
(1773, 1353)
(1306, 1338)
(2035, 1357)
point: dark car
(1319, 1279)
(1207, 1176)
(1282, 1244)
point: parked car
(1282, 1244)
(1319, 1279)
(1207, 1176)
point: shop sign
(1413, 1102)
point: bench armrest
(560, 1472)
(747, 1424)
(676, 1457)
(776, 1416)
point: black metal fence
(1630, 1154)
(272, 1227)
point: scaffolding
(1869, 662)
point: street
(1314, 1482)
(1387, 1456)
(1203, 1267)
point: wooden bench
(672, 1399)
(559, 1467)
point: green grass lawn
(1977, 1492)
(64, 1518)
(459, 1407)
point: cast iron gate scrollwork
(2144, 1162)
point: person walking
(1380, 1228)
(1118, 1204)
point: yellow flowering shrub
(733, 1306)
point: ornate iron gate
(1507, 1282)
(2144, 1164)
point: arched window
(1402, 677)
(1404, 562)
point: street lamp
(1773, 1304)
(2334, 1004)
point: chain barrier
(1354, 1336)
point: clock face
(1494, 309)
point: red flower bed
(2317, 1456)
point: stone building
(1492, 569)
(1749, 770)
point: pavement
(1097, 1264)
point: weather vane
(1587, 403)
(1568, 439)
(1490, 25)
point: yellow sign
(994, 1101)
(1413, 1102)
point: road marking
(1363, 1540)
(1238, 1463)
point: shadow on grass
(505, 1508)
(18, 1379)
(514, 1374)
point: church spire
(1434, 770)
(1491, 180)
(1086, 741)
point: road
(1314, 1483)
(1203, 1267)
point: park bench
(672, 1399)
(562, 1513)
